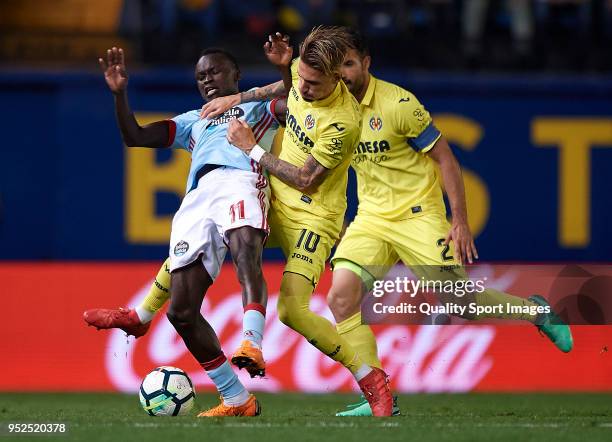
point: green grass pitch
(299, 417)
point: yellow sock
(294, 311)
(492, 297)
(361, 338)
(158, 294)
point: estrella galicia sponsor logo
(375, 123)
(309, 122)
(181, 248)
(226, 117)
(298, 135)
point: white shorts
(225, 198)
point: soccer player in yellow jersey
(308, 182)
(401, 214)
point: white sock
(363, 371)
(144, 314)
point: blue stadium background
(64, 175)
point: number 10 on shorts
(309, 240)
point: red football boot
(125, 319)
(375, 388)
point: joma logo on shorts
(302, 257)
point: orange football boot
(125, 319)
(250, 357)
(250, 408)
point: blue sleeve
(180, 130)
(426, 139)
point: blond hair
(324, 48)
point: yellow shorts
(305, 245)
(376, 245)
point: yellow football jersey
(329, 130)
(395, 179)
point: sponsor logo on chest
(226, 117)
(375, 152)
(376, 146)
(297, 133)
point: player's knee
(246, 241)
(289, 314)
(248, 263)
(284, 314)
(342, 303)
(181, 318)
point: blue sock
(229, 386)
(253, 323)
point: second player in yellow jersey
(402, 215)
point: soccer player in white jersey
(225, 207)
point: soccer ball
(167, 391)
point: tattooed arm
(306, 179)
(268, 92)
(222, 104)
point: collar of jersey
(327, 101)
(367, 98)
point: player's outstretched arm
(279, 53)
(221, 104)
(116, 76)
(306, 178)
(460, 233)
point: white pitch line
(271, 425)
(347, 424)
